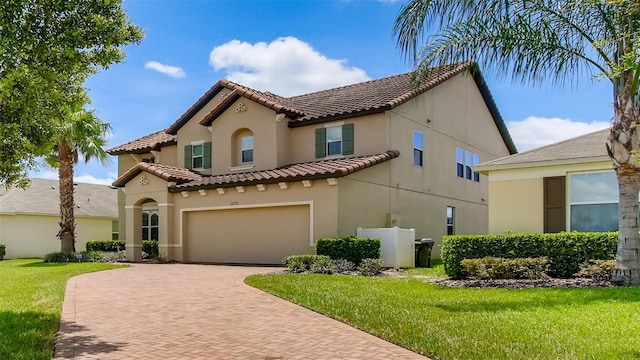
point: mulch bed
(521, 284)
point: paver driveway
(179, 311)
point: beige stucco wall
(516, 200)
(28, 236)
(370, 137)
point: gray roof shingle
(585, 148)
(42, 198)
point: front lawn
(31, 294)
(470, 323)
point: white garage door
(260, 235)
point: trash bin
(423, 252)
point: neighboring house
(29, 218)
(570, 185)
(245, 176)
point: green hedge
(106, 245)
(566, 251)
(2, 251)
(353, 249)
(151, 248)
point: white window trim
(245, 167)
(196, 143)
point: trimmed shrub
(599, 270)
(321, 265)
(501, 268)
(354, 249)
(60, 257)
(106, 245)
(301, 263)
(342, 266)
(565, 251)
(150, 247)
(370, 267)
(2, 251)
(91, 256)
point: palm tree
(547, 40)
(80, 135)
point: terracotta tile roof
(321, 169)
(145, 143)
(581, 149)
(369, 97)
(166, 172)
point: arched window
(242, 141)
(150, 224)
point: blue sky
(290, 47)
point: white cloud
(534, 132)
(286, 66)
(172, 71)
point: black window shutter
(321, 142)
(347, 139)
(188, 163)
(206, 155)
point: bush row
(322, 264)
(564, 251)
(2, 251)
(87, 256)
(491, 268)
(149, 247)
(353, 249)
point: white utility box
(397, 246)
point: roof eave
(485, 169)
(493, 108)
(335, 117)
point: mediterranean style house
(29, 217)
(570, 185)
(246, 176)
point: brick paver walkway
(178, 311)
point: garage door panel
(261, 235)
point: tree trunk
(67, 220)
(627, 270)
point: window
(150, 225)
(418, 146)
(451, 211)
(196, 159)
(247, 149)
(464, 161)
(593, 200)
(197, 155)
(334, 140)
(150, 160)
(115, 235)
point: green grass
(31, 294)
(463, 323)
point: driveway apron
(181, 311)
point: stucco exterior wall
(369, 137)
(29, 236)
(261, 121)
(517, 195)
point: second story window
(464, 161)
(197, 155)
(418, 146)
(196, 159)
(334, 140)
(246, 143)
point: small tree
(81, 135)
